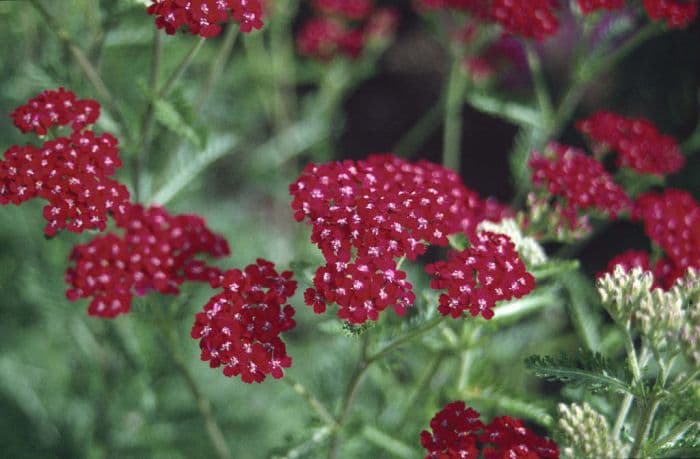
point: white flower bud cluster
(586, 433)
(622, 291)
(529, 249)
(659, 319)
(690, 330)
(543, 214)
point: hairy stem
(86, 66)
(180, 68)
(644, 425)
(349, 397)
(312, 401)
(216, 68)
(452, 133)
(141, 158)
(544, 100)
(216, 436)
(400, 341)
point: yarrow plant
(487, 296)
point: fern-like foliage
(586, 369)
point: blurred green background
(75, 386)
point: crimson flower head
(672, 220)
(156, 252)
(71, 173)
(454, 433)
(344, 28)
(589, 6)
(640, 146)
(526, 18)
(349, 9)
(678, 14)
(458, 433)
(475, 279)
(239, 328)
(578, 179)
(203, 17)
(509, 439)
(366, 214)
(54, 108)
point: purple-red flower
(204, 17)
(54, 108)
(672, 220)
(640, 146)
(156, 253)
(458, 433)
(71, 173)
(677, 13)
(527, 18)
(581, 181)
(365, 214)
(475, 279)
(343, 28)
(588, 6)
(239, 328)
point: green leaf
(185, 166)
(585, 319)
(170, 117)
(591, 370)
(392, 445)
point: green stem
(622, 414)
(216, 68)
(180, 68)
(422, 386)
(672, 435)
(350, 392)
(282, 63)
(644, 425)
(312, 401)
(544, 100)
(141, 158)
(215, 435)
(86, 66)
(400, 341)
(419, 133)
(452, 133)
(632, 355)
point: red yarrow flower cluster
(350, 9)
(343, 28)
(527, 18)
(589, 6)
(239, 328)
(640, 146)
(581, 181)
(672, 220)
(365, 214)
(457, 432)
(71, 173)
(54, 108)
(677, 13)
(203, 17)
(663, 270)
(155, 253)
(478, 277)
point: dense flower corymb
(239, 328)
(526, 18)
(677, 13)
(640, 146)
(579, 179)
(457, 432)
(53, 108)
(71, 173)
(203, 17)
(365, 214)
(156, 253)
(672, 220)
(588, 6)
(479, 276)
